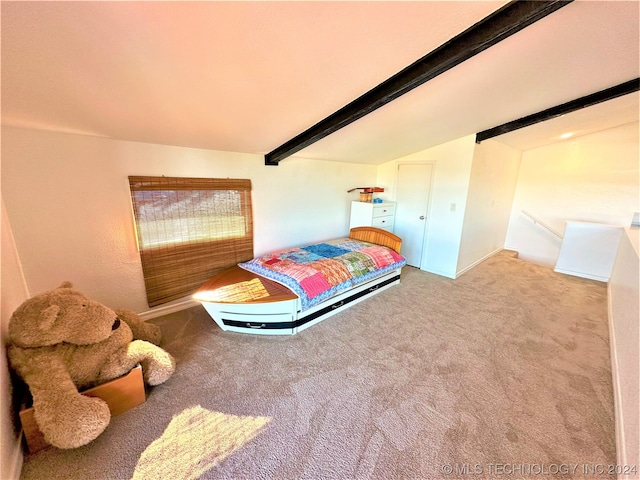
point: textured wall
(67, 197)
(494, 173)
(452, 170)
(13, 293)
(593, 178)
(624, 331)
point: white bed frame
(285, 317)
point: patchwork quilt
(317, 272)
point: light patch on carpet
(195, 441)
(370, 457)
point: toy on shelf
(366, 195)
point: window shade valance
(180, 183)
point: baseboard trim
(621, 453)
(589, 276)
(167, 309)
(14, 470)
(478, 262)
(439, 272)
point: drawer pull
(337, 305)
(262, 325)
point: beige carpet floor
(502, 373)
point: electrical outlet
(452, 207)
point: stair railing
(537, 221)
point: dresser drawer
(379, 215)
(384, 210)
(382, 222)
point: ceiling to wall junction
(248, 76)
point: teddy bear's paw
(151, 333)
(77, 421)
(159, 368)
(141, 330)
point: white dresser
(381, 215)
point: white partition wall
(492, 185)
(588, 250)
(624, 334)
(450, 185)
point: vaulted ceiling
(248, 76)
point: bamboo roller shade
(189, 229)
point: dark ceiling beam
(559, 110)
(494, 28)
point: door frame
(433, 164)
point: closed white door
(412, 197)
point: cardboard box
(120, 394)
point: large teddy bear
(62, 341)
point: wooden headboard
(377, 236)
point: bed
(285, 292)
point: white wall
(494, 174)
(624, 332)
(68, 201)
(13, 292)
(592, 178)
(452, 161)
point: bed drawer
(268, 324)
(342, 301)
(259, 328)
(276, 318)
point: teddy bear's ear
(66, 285)
(48, 317)
(32, 325)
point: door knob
(421, 217)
